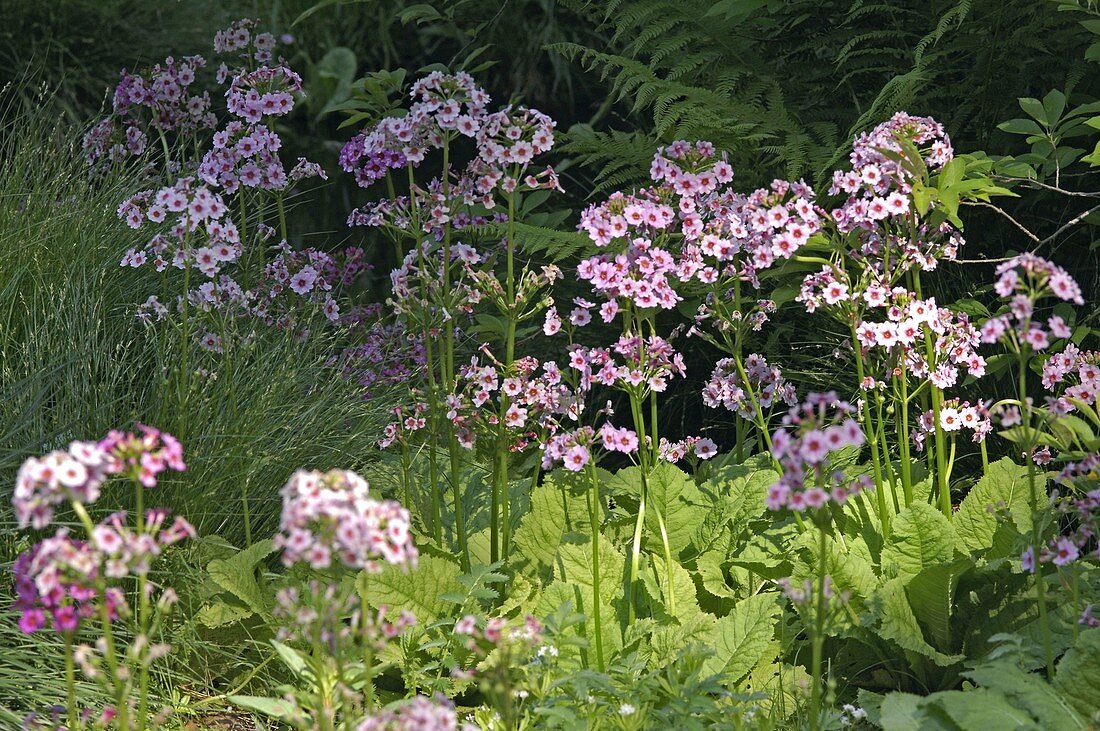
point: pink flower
(576, 458)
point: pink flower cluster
(726, 388)
(329, 516)
(688, 447)
(1075, 374)
(165, 95)
(144, 455)
(903, 335)
(812, 431)
(1023, 281)
(955, 415)
(72, 475)
(56, 585)
(514, 135)
(1078, 514)
(573, 449)
(763, 227)
(418, 714)
(201, 236)
(644, 373)
(528, 397)
(247, 155)
(443, 104)
(240, 35)
(265, 92)
(124, 551)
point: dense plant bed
(487, 517)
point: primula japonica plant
(441, 279)
(1024, 282)
(97, 589)
(331, 525)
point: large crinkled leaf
(681, 602)
(1004, 485)
(903, 712)
(673, 497)
(931, 594)
(982, 709)
(419, 590)
(740, 490)
(1030, 692)
(574, 564)
(237, 575)
(849, 564)
(895, 621)
(558, 515)
(667, 641)
(709, 569)
(921, 536)
(573, 584)
(1078, 676)
(742, 638)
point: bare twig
(1070, 224)
(1032, 183)
(1004, 213)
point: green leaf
(896, 622)
(1030, 692)
(741, 638)
(237, 575)
(558, 515)
(270, 707)
(291, 658)
(219, 613)
(673, 497)
(1020, 127)
(680, 602)
(982, 708)
(1003, 486)
(903, 712)
(931, 594)
(419, 590)
(1034, 108)
(1078, 671)
(573, 584)
(419, 13)
(922, 537)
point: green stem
(639, 522)
(941, 455)
(1033, 489)
(594, 509)
(368, 647)
(429, 364)
(70, 681)
(903, 437)
(868, 426)
(887, 467)
(818, 640)
(282, 217)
